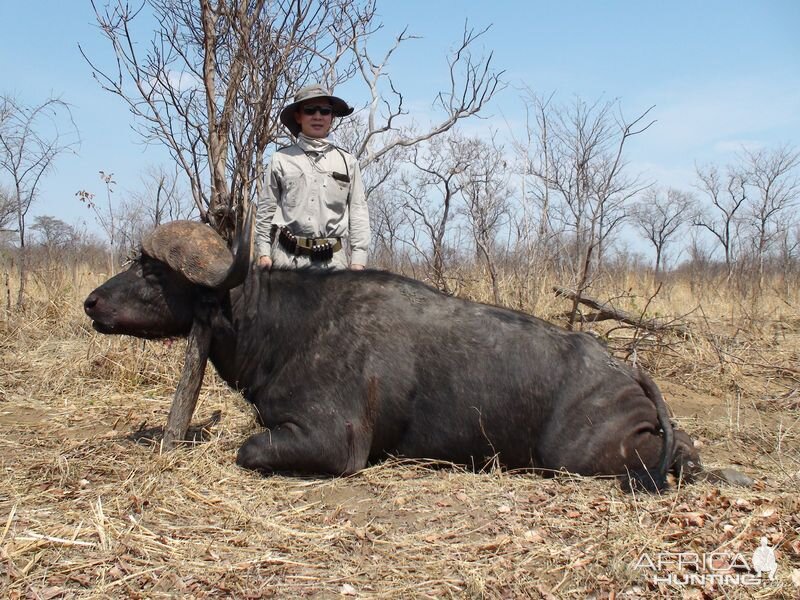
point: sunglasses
(323, 110)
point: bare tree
(386, 222)
(659, 216)
(727, 194)
(699, 263)
(106, 214)
(31, 138)
(789, 257)
(161, 199)
(486, 193)
(772, 175)
(585, 173)
(534, 150)
(533, 231)
(429, 193)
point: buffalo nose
(90, 302)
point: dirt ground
(86, 512)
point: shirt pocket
(293, 188)
(338, 192)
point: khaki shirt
(301, 194)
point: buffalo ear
(191, 248)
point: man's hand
(355, 267)
(264, 262)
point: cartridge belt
(318, 249)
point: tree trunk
(188, 390)
(8, 292)
(484, 249)
(658, 262)
(23, 275)
(582, 285)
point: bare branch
(472, 84)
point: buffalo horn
(200, 254)
(242, 247)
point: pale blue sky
(720, 74)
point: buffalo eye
(152, 270)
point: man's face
(311, 119)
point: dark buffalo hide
(346, 368)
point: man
(312, 205)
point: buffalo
(346, 368)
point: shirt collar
(309, 144)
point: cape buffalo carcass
(346, 368)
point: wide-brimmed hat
(339, 106)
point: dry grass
(85, 512)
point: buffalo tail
(655, 480)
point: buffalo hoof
(726, 476)
(250, 456)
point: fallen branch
(607, 312)
(592, 317)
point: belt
(320, 249)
